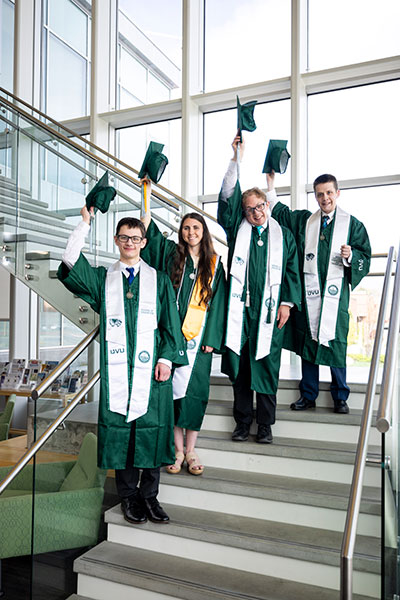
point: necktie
(260, 229)
(131, 271)
(325, 220)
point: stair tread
(284, 413)
(259, 535)
(284, 447)
(184, 578)
(310, 492)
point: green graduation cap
(154, 163)
(101, 195)
(245, 118)
(277, 157)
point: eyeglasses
(135, 239)
(251, 210)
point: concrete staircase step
(43, 217)
(318, 424)
(7, 225)
(324, 460)
(28, 205)
(306, 502)
(216, 532)
(114, 570)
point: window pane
(355, 132)
(273, 122)
(70, 23)
(343, 32)
(132, 144)
(66, 82)
(383, 224)
(246, 42)
(133, 76)
(7, 44)
(153, 30)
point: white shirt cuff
(75, 243)
(165, 362)
(347, 261)
(272, 198)
(289, 304)
(230, 179)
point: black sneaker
(264, 434)
(241, 433)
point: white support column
(23, 302)
(102, 81)
(192, 78)
(298, 105)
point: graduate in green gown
(334, 255)
(140, 340)
(198, 277)
(264, 285)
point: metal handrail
(97, 158)
(64, 364)
(353, 510)
(383, 419)
(23, 461)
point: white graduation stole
(322, 311)
(182, 375)
(118, 387)
(272, 284)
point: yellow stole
(196, 310)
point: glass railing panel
(15, 521)
(391, 500)
(50, 513)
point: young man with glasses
(334, 254)
(140, 340)
(264, 284)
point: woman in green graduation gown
(198, 277)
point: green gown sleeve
(84, 280)
(294, 220)
(173, 344)
(361, 249)
(158, 252)
(230, 213)
(214, 333)
(291, 285)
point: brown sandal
(194, 465)
(177, 466)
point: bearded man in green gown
(140, 340)
(334, 255)
(264, 285)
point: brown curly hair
(206, 254)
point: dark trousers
(243, 396)
(309, 384)
(127, 482)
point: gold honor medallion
(129, 295)
(192, 275)
(260, 243)
(322, 237)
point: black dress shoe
(264, 434)
(341, 407)
(154, 511)
(241, 433)
(133, 510)
(302, 404)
